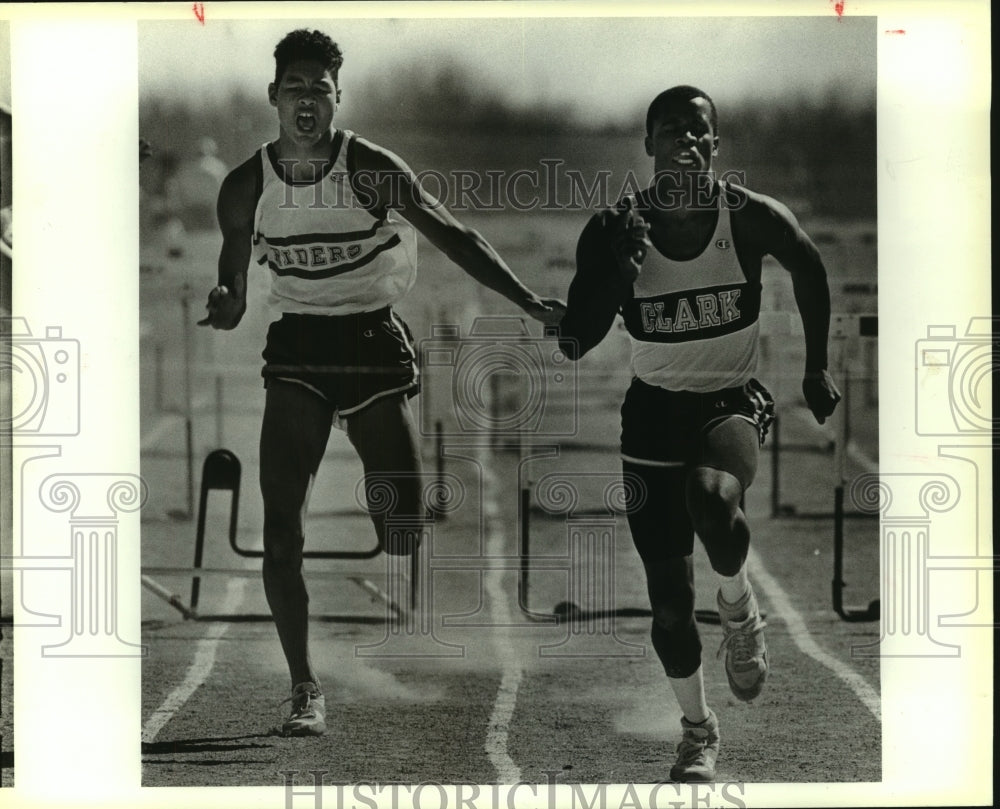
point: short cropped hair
(305, 44)
(676, 95)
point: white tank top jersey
(327, 254)
(693, 325)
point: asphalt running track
(490, 696)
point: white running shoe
(308, 717)
(697, 751)
(746, 652)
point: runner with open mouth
(305, 121)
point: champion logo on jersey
(722, 244)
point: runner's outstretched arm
(227, 301)
(795, 251)
(388, 182)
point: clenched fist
(627, 233)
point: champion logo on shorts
(721, 404)
(722, 244)
(369, 332)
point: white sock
(690, 695)
(734, 588)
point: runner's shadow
(207, 745)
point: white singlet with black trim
(327, 254)
(693, 325)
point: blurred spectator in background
(193, 190)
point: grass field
(594, 708)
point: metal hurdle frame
(222, 471)
(843, 327)
(568, 610)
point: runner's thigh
(293, 439)
(732, 446)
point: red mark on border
(900, 31)
(839, 8)
(199, 12)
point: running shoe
(743, 642)
(308, 717)
(697, 751)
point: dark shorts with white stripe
(665, 434)
(667, 426)
(350, 361)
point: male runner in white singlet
(682, 262)
(333, 217)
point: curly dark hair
(305, 44)
(669, 98)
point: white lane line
(200, 668)
(782, 607)
(510, 680)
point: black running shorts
(665, 427)
(349, 360)
(662, 435)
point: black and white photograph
(490, 406)
(441, 382)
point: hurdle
(839, 444)
(221, 471)
(588, 529)
(843, 327)
(186, 296)
(216, 405)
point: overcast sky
(606, 67)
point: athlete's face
(306, 99)
(683, 138)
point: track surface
(489, 695)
